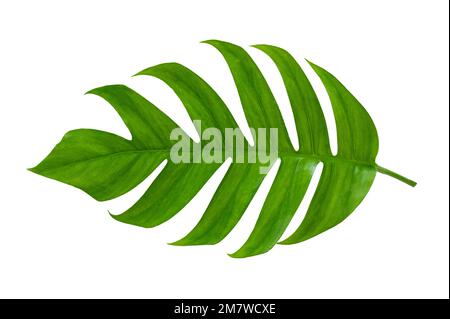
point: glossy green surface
(106, 166)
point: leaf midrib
(282, 154)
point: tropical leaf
(106, 166)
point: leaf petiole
(395, 175)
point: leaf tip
(233, 255)
(312, 64)
(241, 255)
(121, 218)
(213, 42)
(92, 91)
(283, 242)
(176, 243)
(37, 169)
(260, 46)
(33, 169)
(142, 72)
(105, 90)
(115, 217)
(288, 241)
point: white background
(56, 241)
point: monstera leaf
(106, 166)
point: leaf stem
(395, 175)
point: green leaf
(227, 206)
(284, 198)
(200, 100)
(106, 166)
(260, 107)
(309, 119)
(102, 164)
